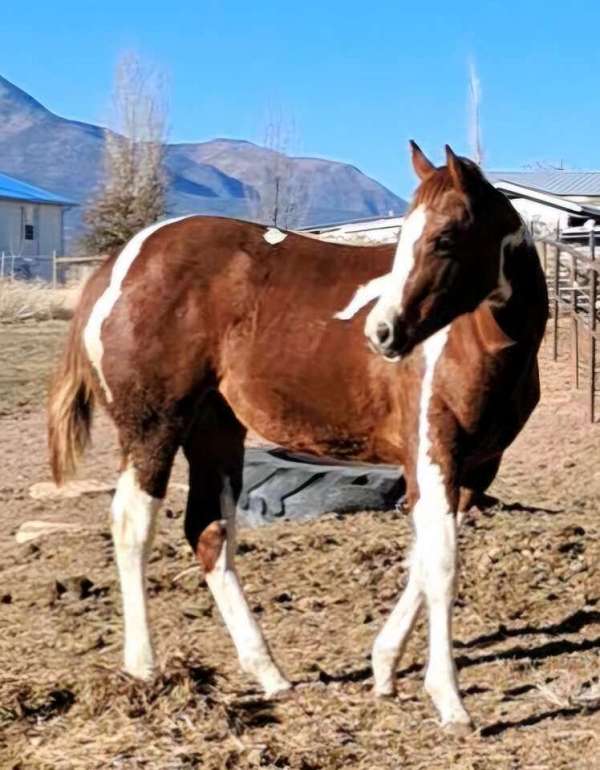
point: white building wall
(47, 228)
(543, 218)
(10, 227)
(50, 229)
(29, 257)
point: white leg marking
(391, 640)
(391, 301)
(363, 295)
(133, 519)
(253, 651)
(273, 236)
(432, 571)
(435, 551)
(92, 334)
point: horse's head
(449, 256)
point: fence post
(555, 302)
(54, 269)
(575, 320)
(2, 266)
(593, 300)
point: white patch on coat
(430, 479)
(254, 654)
(273, 236)
(133, 522)
(363, 295)
(435, 555)
(92, 334)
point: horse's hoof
(280, 691)
(141, 672)
(384, 694)
(459, 729)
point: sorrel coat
(204, 327)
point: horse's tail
(70, 407)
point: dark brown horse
(203, 327)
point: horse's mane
(433, 187)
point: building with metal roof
(31, 224)
(571, 184)
(17, 190)
(369, 230)
(546, 199)
(552, 199)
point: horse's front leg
(435, 560)
(432, 478)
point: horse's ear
(422, 165)
(464, 173)
(456, 169)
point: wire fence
(52, 268)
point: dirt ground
(527, 618)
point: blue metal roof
(15, 189)
(555, 181)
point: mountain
(228, 177)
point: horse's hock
(283, 486)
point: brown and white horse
(203, 327)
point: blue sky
(359, 78)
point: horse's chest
(491, 396)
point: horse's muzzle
(389, 339)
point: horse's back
(206, 302)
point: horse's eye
(444, 243)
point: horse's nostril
(384, 332)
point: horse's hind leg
(140, 491)
(215, 451)
(474, 484)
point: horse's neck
(522, 315)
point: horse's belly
(306, 412)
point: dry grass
(527, 622)
(27, 300)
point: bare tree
(133, 192)
(280, 202)
(474, 116)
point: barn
(31, 223)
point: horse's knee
(208, 545)
(133, 511)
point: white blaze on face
(390, 303)
(255, 656)
(404, 261)
(92, 334)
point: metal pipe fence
(572, 278)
